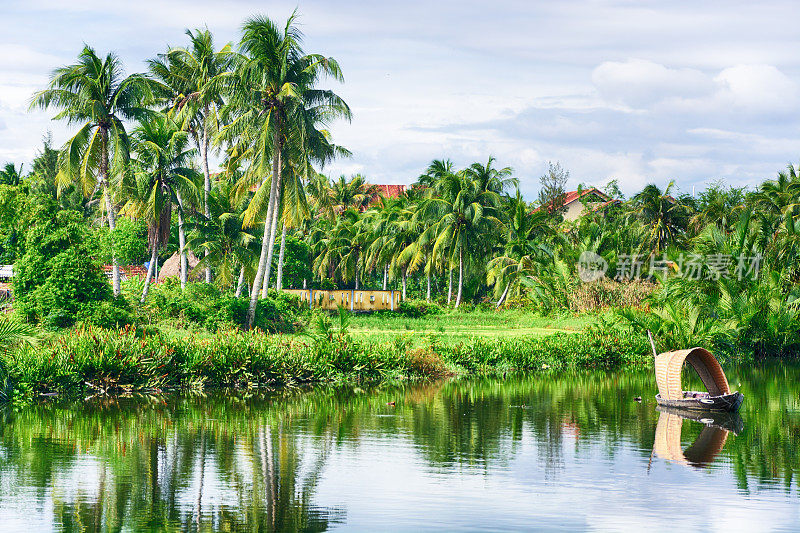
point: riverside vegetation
(133, 185)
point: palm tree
(719, 205)
(273, 101)
(524, 247)
(94, 93)
(354, 193)
(665, 217)
(161, 177)
(466, 215)
(192, 81)
(10, 175)
(490, 178)
(228, 243)
(343, 248)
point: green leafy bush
(418, 308)
(129, 240)
(58, 279)
(204, 305)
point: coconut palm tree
(353, 193)
(229, 245)
(191, 80)
(160, 178)
(666, 217)
(273, 101)
(9, 175)
(489, 178)
(466, 215)
(95, 94)
(524, 247)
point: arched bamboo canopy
(668, 372)
(702, 451)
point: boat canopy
(668, 372)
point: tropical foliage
(715, 267)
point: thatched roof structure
(172, 268)
(668, 372)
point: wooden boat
(671, 394)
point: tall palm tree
(489, 178)
(466, 215)
(273, 102)
(192, 81)
(95, 94)
(524, 247)
(161, 178)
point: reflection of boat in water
(671, 394)
(705, 447)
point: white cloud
(612, 89)
(757, 88)
(639, 82)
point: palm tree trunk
(503, 297)
(404, 284)
(112, 225)
(150, 270)
(112, 216)
(385, 276)
(450, 287)
(207, 184)
(356, 272)
(460, 275)
(262, 260)
(428, 281)
(262, 264)
(240, 285)
(279, 281)
(182, 243)
(273, 230)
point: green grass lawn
(454, 326)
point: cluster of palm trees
(139, 136)
(447, 222)
(143, 144)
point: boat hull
(729, 403)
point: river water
(572, 452)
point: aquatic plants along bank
(89, 361)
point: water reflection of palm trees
(705, 447)
(254, 461)
(177, 467)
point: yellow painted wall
(361, 300)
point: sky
(642, 92)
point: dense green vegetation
(90, 360)
(133, 184)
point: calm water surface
(572, 452)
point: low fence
(350, 299)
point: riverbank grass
(454, 326)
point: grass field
(460, 326)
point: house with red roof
(391, 191)
(578, 203)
